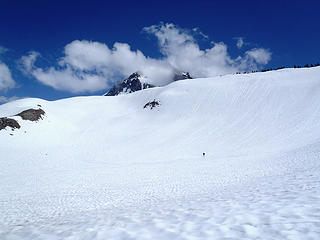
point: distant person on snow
(203, 154)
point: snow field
(105, 168)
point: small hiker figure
(203, 154)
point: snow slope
(107, 168)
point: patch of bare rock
(32, 114)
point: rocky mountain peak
(181, 76)
(133, 83)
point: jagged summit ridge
(134, 83)
(131, 84)
(181, 76)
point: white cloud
(6, 80)
(91, 66)
(70, 80)
(259, 55)
(28, 61)
(182, 52)
(254, 58)
(240, 42)
(197, 31)
(120, 60)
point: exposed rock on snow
(152, 104)
(131, 84)
(181, 76)
(8, 122)
(32, 114)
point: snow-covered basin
(107, 168)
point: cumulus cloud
(69, 79)
(6, 80)
(254, 58)
(28, 61)
(183, 53)
(120, 60)
(259, 55)
(91, 66)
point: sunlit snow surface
(106, 168)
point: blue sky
(57, 49)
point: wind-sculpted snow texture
(106, 168)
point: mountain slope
(106, 167)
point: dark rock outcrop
(152, 104)
(181, 76)
(131, 84)
(32, 114)
(8, 122)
